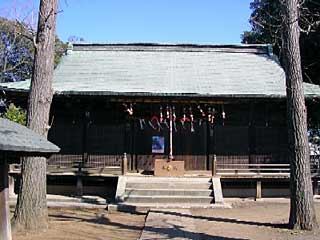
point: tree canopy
(266, 22)
(17, 50)
(15, 114)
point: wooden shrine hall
(191, 103)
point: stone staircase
(172, 192)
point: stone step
(167, 185)
(168, 199)
(145, 207)
(151, 178)
(168, 192)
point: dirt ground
(251, 220)
(248, 220)
(66, 224)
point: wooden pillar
(124, 164)
(266, 113)
(315, 186)
(79, 186)
(252, 135)
(258, 189)
(214, 165)
(5, 226)
(207, 145)
(85, 136)
(170, 134)
(213, 142)
(125, 143)
(11, 186)
(133, 146)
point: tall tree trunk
(302, 214)
(31, 210)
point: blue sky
(172, 21)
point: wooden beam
(5, 226)
(173, 100)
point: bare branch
(17, 65)
(310, 28)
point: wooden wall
(98, 134)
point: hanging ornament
(200, 122)
(184, 118)
(161, 115)
(174, 118)
(213, 112)
(159, 126)
(128, 109)
(165, 123)
(164, 120)
(209, 115)
(167, 112)
(155, 124)
(191, 120)
(142, 123)
(223, 113)
(151, 125)
(201, 111)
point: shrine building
(226, 105)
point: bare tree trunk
(302, 214)
(31, 210)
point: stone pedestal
(166, 168)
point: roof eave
(153, 94)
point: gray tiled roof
(17, 138)
(170, 70)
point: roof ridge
(168, 44)
(178, 47)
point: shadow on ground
(178, 232)
(168, 233)
(227, 220)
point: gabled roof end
(270, 50)
(69, 48)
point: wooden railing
(253, 169)
(76, 165)
(258, 170)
